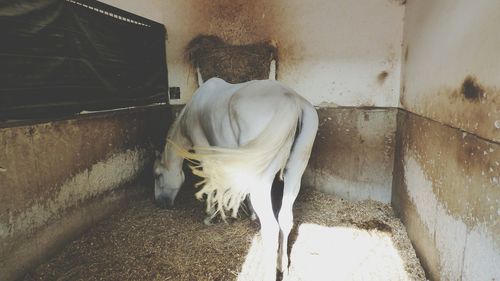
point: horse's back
(213, 91)
(255, 105)
(234, 114)
(255, 91)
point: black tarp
(59, 57)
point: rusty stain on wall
(471, 90)
(398, 2)
(471, 106)
(235, 21)
(382, 76)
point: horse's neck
(170, 157)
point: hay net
(232, 63)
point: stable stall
(403, 182)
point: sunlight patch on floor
(344, 253)
(333, 253)
(254, 266)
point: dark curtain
(59, 57)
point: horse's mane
(230, 173)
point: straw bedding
(144, 242)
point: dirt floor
(333, 240)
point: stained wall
(447, 169)
(353, 154)
(335, 53)
(446, 190)
(348, 54)
(342, 52)
(59, 177)
(332, 52)
(345, 53)
(451, 64)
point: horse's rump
(230, 173)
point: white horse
(242, 135)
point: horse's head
(167, 184)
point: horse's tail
(230, 173)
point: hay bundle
(233, 63)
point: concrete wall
(447, 171)
(58, 178)
(353, 154)
(341, 52)
(447, 192)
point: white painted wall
(342, 48)
(448, 40)
(445, 42)
(331, 51)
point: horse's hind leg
(285, 217)
(261, 200)
(250, 209)
(294, 170)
